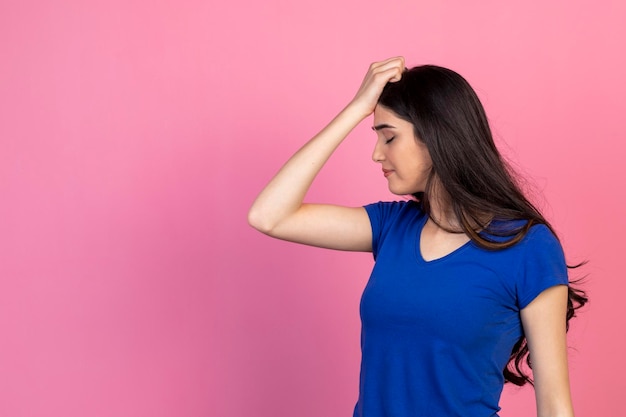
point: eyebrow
(382, 126)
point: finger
(392, 74)
(394, 58)
(397, 76)
(393, 65)
(397, 60)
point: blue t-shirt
(437, 335)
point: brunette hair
(468, 172)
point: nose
(378, 154)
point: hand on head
(378, 75)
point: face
(404, 159)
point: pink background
(134, 135)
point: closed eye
(390, 139)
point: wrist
(358, 110)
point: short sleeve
(543, 265)
(382, 215)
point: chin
(401, 192)
(403, 189)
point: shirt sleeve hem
(530, 298)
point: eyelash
(390, 139)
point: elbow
(259, 221)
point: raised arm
(544, 325)
(279, 211)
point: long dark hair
(468, 173)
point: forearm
(284, 194)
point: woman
(469, 276)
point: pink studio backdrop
(134, 135)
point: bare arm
(279, 211)
(544, 325)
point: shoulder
(542, 263)
(504, 230)
(384, 214)
(531, 265)
(538, 242)
(392, 220)
(540, 237)
(389, 209)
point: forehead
(385, 116)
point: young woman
(469, 276)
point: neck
(444, 217)
(441, 212)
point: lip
(387, 172)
